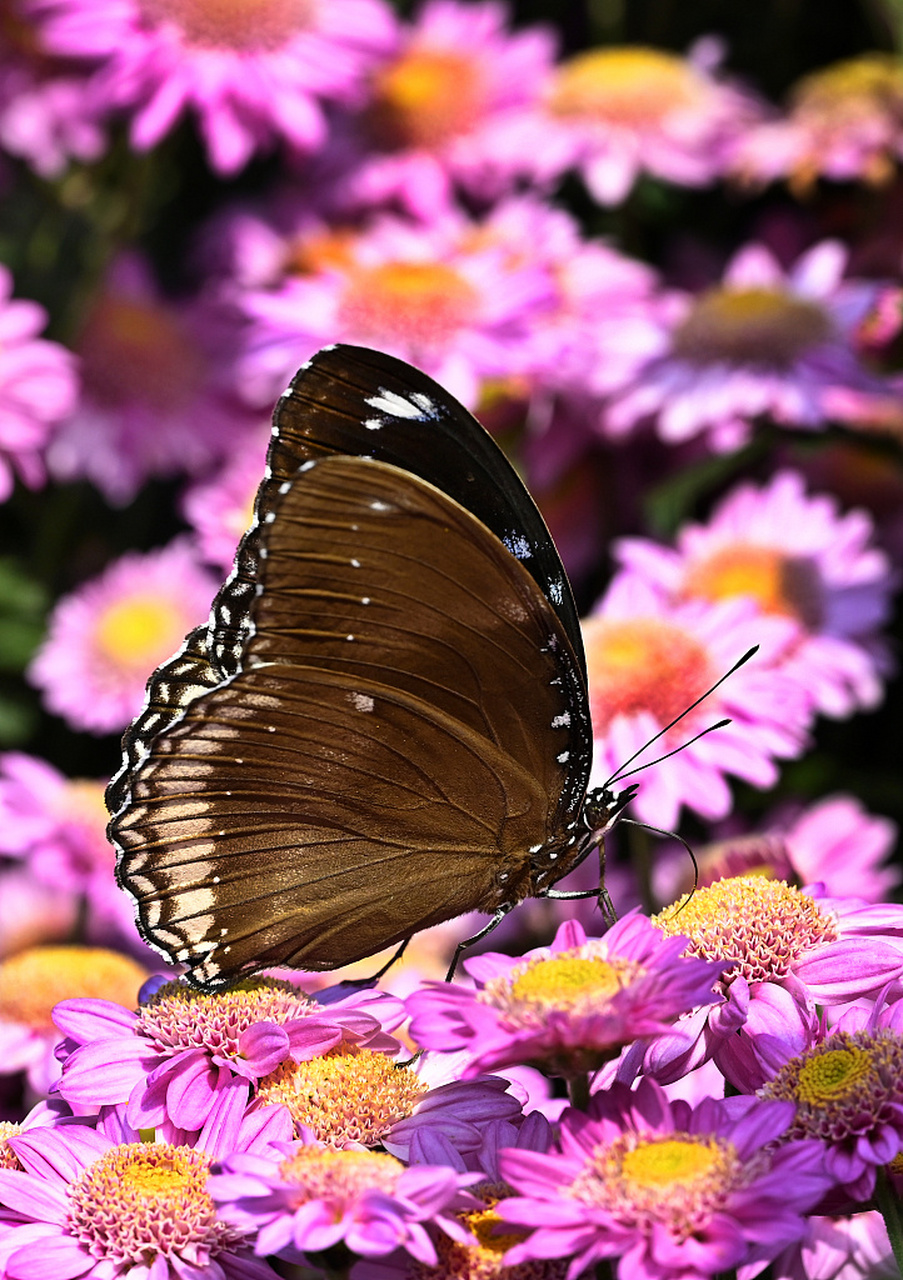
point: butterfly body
(384, 724)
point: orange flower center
(420, 302)
(778, 583)
(642, 665)
(750, 326)
(125, 347)
(244, 25)
(427, 97)
(632, 87)
(33, 981)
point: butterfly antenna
(619, 773)
(619, 777)
(672, 835)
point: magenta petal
(91, 1019)
(105, 1072)
(29, 1196)
(849, 969)
(52, 1258)
(192, 1088)
(263, 1047)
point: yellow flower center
(324, 1173)
(759, 927)
(631, 86)
(139, 1200)
(829, 1076)
(33, 981)
(418, 302)
(566, 979)
(8, 1157)
(642, 665)
(178, 1017)
(348, 1095)
(243, 25)
(657, 1165)
(138, 632)
(755, 326)
(779, 583)
(427, 97)
(844, 90)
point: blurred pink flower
(57, 827)
(762, 342)
(649, 659)
(38, 387)
(133, 423)
(456, 103)
(105, 639)
(796, 556)
(844, 122)
(447, 297)
(220, 509)
(254, 75)
(624, 110)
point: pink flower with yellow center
(38, 388)
(301, 1199)
(648, 660)
(460, 305)
(89, 1206)
(105, 639)
(33, 981)
(171, 1060)
(797, 556)
(456, 103)
(253, 72)
(570, 1007)
(669, 1191)
(131, 422)
(786, 952)
(57, 827)
(761, 343)
(843, 122)
(625, 110)
(46, 117)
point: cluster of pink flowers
(677, 301)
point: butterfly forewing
(380, 759)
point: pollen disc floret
(177, 1017)
(141, 1200)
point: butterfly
(384, 723)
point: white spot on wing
(394, 404)
(518, 545)
(562, 721)
(361, 701)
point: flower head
(668, 1190)
(253, 74)
(302, 1198)
(105, 639)
(631, 109)
(33, 981)
(569, 1007)
(103, 1210)
(172, 1059)
(649, 660)
(760, 342)
(796, 556)
(38, 388)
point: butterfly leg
(347, 985)
(468, 942)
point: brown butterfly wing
(337, 794)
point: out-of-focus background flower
(656, 248)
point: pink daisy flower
(131, 423)
(253, 76)
(456, 103)
(761, 342)
(671, 1192)
(32, 982)
(787, 952)
(459, 305)
(844, 122)
(90, 1206)
(571, 1006)
(38, 387)
(172, 1059)
(221, 509)
(796, 556)
(624, 110)
(58, 826)
(648, 660)
(105, 638)
(301, 1198)
(844, 1248)
(46, 116)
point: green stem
(889, 1206)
